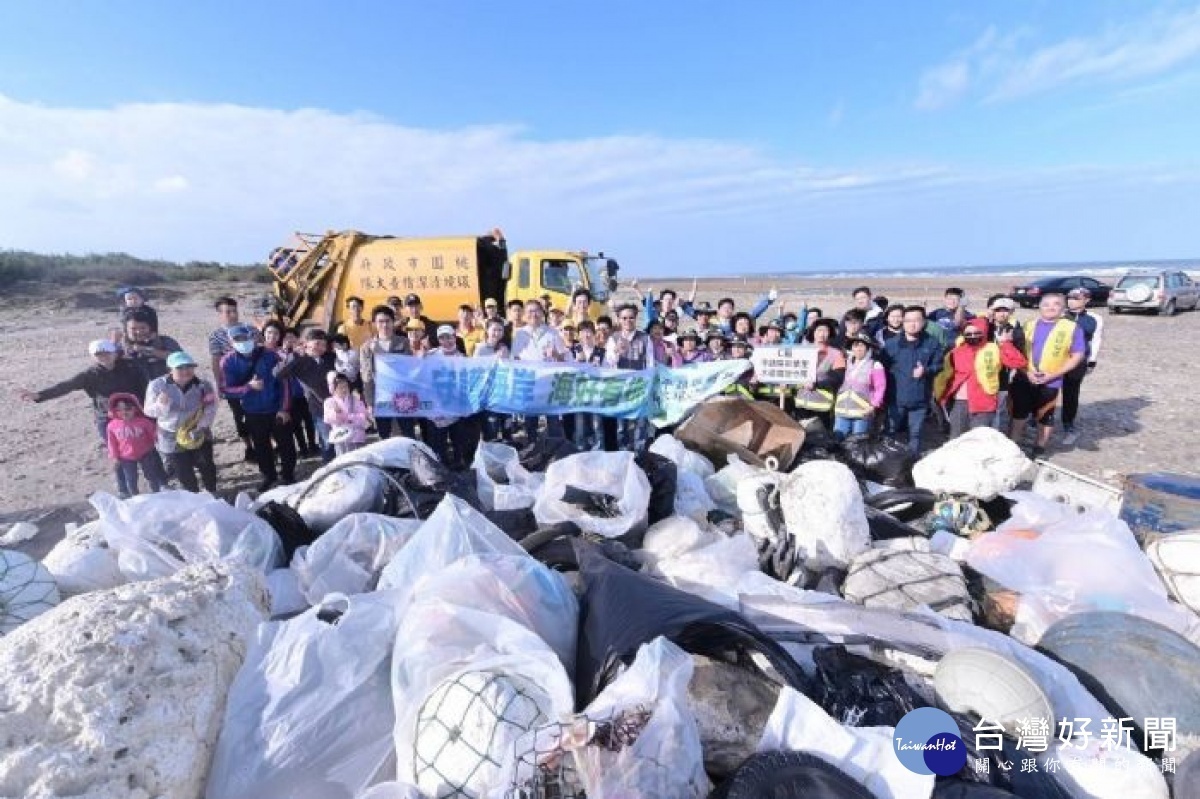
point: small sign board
(789, 364)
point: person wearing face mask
(1000, 321)
(967, 388)
(107, 375)
(250, 374)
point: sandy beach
(1136, 413)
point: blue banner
(406, 386)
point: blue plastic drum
(1161, 502)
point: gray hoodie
(172, 404)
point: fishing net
(26, 590)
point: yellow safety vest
(1057, 349)
(987, 371)
(819, 400)
(854, 402)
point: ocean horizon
(1096, 269)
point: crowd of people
(880, 368)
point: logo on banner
(926, 742)
(405, 402)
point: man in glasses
(537, 342)
(629, 348)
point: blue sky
(730, 138)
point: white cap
(102, 345)
(445, 330)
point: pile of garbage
(553, 623)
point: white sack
(981, 463)
(1176, 558)
(283, 586)
(155, 535)
(82, 562)
(503, 483)
(349, 557)
(309, 715)
(824, 512)
(865, 754)
(723, 486)
(612, 473)
(685, 459)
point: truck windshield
(597, 278)
(561, 276)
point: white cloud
(1001, 68)
(943, 85)
(224, 182)
(171, 184)
(74, 165)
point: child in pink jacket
(131, 438)
(346, 415)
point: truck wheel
(1168, 309)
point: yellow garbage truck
(315, 275)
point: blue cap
(241, 331)
(178, 359)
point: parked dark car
(1030, 294)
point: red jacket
(129, 440)
(962, 361)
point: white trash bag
(699, 559)
(824, 512)
(466, 685)
(283, 586)
(1077, 562)
(349, 557)
(614, 474)
(723, 486)
(309, 715)
(865, 754)
(691, 496)
(637, 738)
(82, 562)
(685, 459)
(26, 590)
(329, 495)
(155, 535)
(454, 530)
(390, 790)
(981, 463)
(503, 483)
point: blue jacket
(237, 369)
(900, 357)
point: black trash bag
(545, 451)
(516, 523)
(819, 445)
(885, 526)
(906, 504)
(1040, 784)
(289, 525)
(788, 775)
(622, 609)
(554, 546)
(592, 503)
(663, 475)
(727, 523)
(428, 473)
(879, 459)
(859, 692)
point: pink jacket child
(347, 419)
(131, 444)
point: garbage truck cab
(314, 276)
(531, 274)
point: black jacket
(313, 376)
(100, 384)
